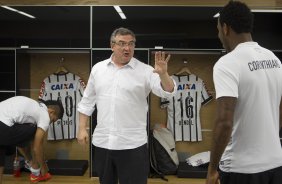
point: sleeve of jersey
(44, 121)
(87, 103)
(206, 96)
(225, 81)
(43, 92)
(81, 87)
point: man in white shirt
(248, 84)
(22, 120)
(119, 87)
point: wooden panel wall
(200, 64)
(44, 64)
(252, 3)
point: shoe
(35, 179)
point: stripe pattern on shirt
(184, 108)
(68, 88)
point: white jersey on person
(183, 109)
(69, 89)
(253, 75)
(21, 109)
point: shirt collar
(250, 43)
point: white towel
(199, 159)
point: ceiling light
(118, 9)
(257, 11)
(267, 11)
(216, 15)
(17, 11)
(122, 15)
(120, 12)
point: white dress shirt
(121, 98)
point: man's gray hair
(121, 31)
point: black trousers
(273, 176)
(17, 135)
(129, 166)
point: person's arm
(221, 135)
(161, 69)
(25, 152)
(38, 153)
(280, 117)
(83, 136)
(167, 83)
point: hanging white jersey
(183, 109)
(69, 89)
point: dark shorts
(129, 166)
(273, 176)
(17, 135)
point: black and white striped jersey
(69, 89)
(184, 108)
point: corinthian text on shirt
(263, 64)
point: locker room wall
(201, 64)
(41, 66)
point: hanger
(61, 69)
(184, 70)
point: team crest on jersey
(186, 87)
(62, 86)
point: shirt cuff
(84, 110)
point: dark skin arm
(221, 135)
(38, 157)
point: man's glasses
(124, 44)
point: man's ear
(112, 46)
(51, 111)
(225, 29)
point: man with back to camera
(22, 120)
(119, 87)
(248, 84)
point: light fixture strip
(18, 11)
(120, 12)
(118, 9)
(122, 15)
(9, 8)
(266, 11)
(258, 11)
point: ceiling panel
(108, 13)
(46, 13)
